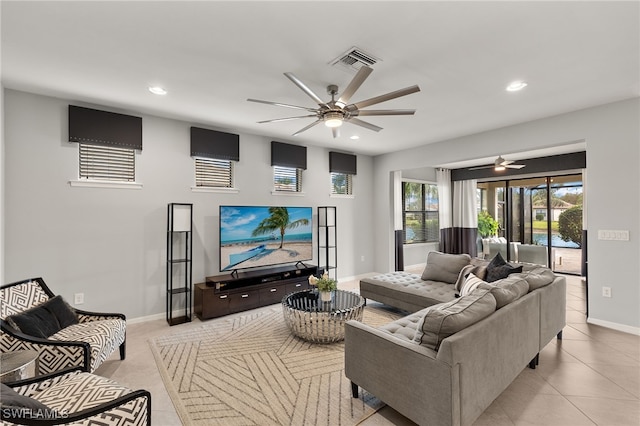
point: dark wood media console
(226, 294)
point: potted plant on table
(325, 286)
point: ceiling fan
(499, 165)
(336, 112)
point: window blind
(287, 179)
(214, 173)
(110, 163)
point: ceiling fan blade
(481, 167)
(384, 112)
(514, 166)
(354, 85)
(275, 120)
(282, 105)
(364, 124)
(336, 132)
(382, 98)
(307, 127)
(305, 89)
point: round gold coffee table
(313, 320)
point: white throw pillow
(470, 283)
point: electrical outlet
(361, 258)
(606, 291)
(78, 298)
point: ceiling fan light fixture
(157, 90)
(516, 86)
(332, 119)
(499, 168)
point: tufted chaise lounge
(86, 344)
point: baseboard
(146, 318)
(615, 326)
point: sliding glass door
(540, 220)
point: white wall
(612, 138)
(110, 244)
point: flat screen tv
(260, 236)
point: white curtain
(465, 213)
(458, 217)
(443, 178)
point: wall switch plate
(613, 235)
(606, 291)
(78, 298)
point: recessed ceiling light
(516, 85)
(157, 90)
(355, 137)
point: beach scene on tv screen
(261, 236)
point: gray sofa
(444, 364)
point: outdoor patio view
(540, 217)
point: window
(341, 184)
(212, 173)
(287, 179)
(107, 163)
(420, 212)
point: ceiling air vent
(354, 59)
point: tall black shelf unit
(327, 241)
(179, 265)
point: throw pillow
(507, 290)
(471, 283)
(444, 267)
(479, 271)
(538, 277)
(12, 399)
(498, 269)
(45, 319)
(64, 313)
(443, 320)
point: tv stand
(239, 291)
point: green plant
(324, 283)
(570, 225)
(487, 225)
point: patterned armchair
(86, 343)
(73, 397)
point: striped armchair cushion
(104, 337)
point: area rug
(249, 369)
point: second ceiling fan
(499, 165)
(337, 111)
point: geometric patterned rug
(249, 369)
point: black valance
(287, 155)
(95, 127)
(212, 144)
(342, 163)
(550, 164)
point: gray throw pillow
(444, 267)
(538, 277)
(479, 271)
(443, 320)
(45, 319)
(507, 290)
(12, 400)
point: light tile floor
(591, 377)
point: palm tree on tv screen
(277, 221)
